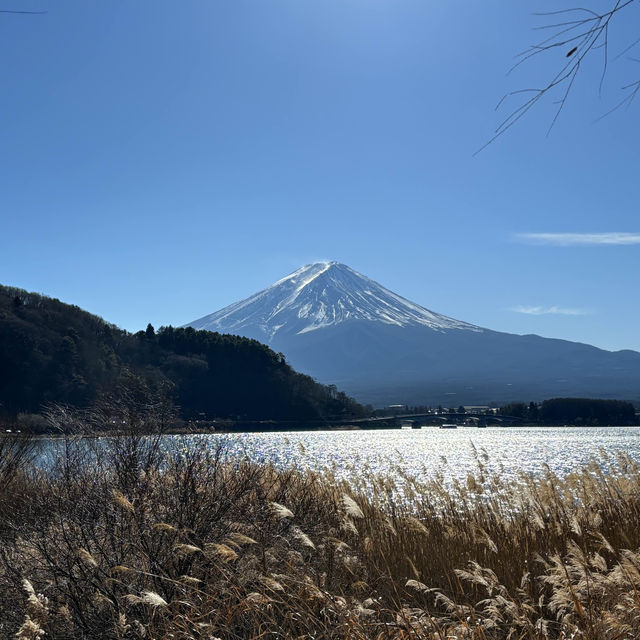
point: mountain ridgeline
(51, 352)
(345, 329)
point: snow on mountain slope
(321, 295)
(342, 328)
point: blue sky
(160, 160)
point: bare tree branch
(581, 37)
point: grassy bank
(129, 542)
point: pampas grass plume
(186, 549)
(270, 583)
(87, 558)
(280, 511)
(163, 526)
(222, 551)
(153, 599)
(303, 538)
(30, 630)
(351, 507)
(121, 500)
(240, 538)
(257, 598)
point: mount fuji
(343, 328)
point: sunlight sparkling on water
(424, 452)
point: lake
(451, 454)
(425, 452)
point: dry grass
(124, 541)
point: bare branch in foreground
(581, 36)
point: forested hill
(51, 352)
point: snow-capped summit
(321, 295)
(342, 328)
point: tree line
(52, 352)
(574, 411)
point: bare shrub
(133, 540)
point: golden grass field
(124, 541)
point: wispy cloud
(543, 311)
(584, 239)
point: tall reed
(125, 539)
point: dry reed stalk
(540, 558)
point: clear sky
(162, 159)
